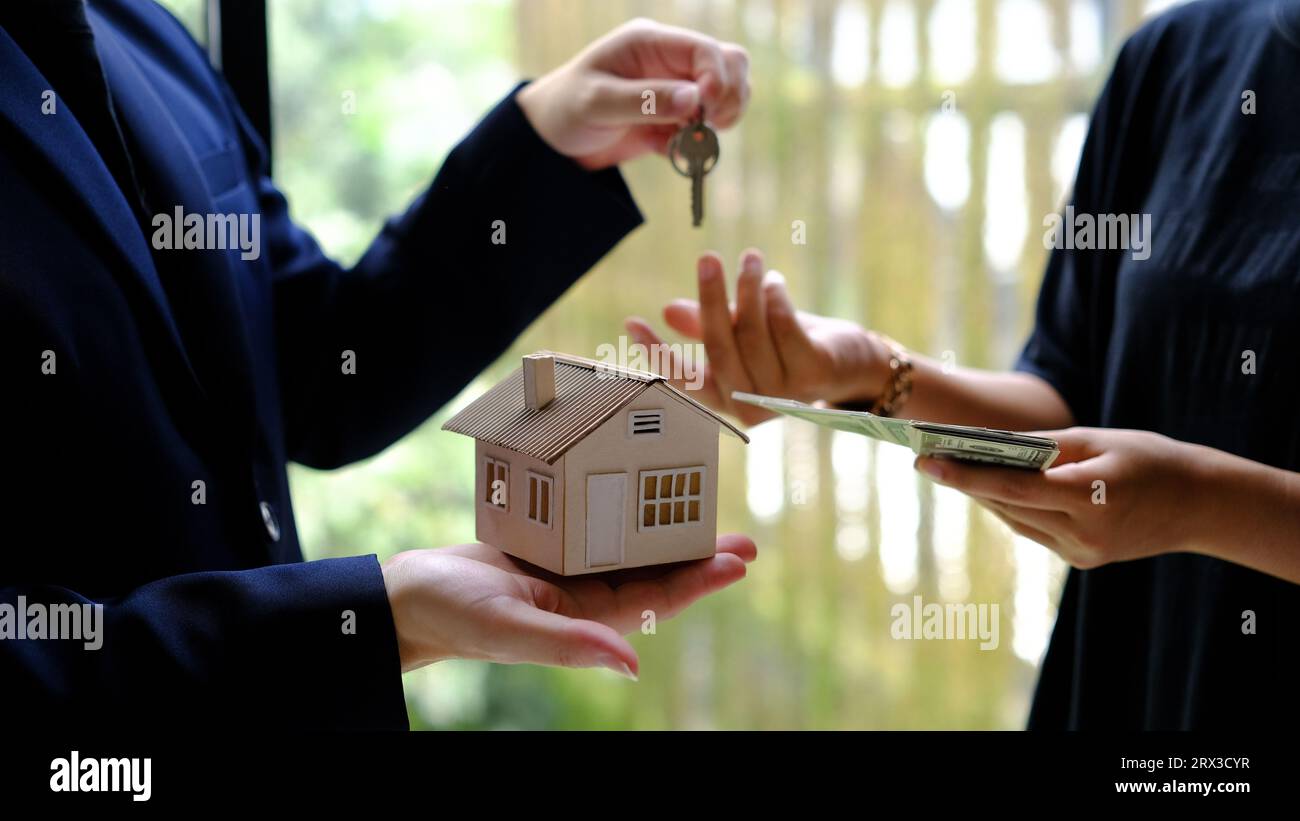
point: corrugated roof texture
(585, 396)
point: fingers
(709, 65)
(1022, 488)
(691, 378)
(725, 364)
(676, 590)
(1077, 444)
(656, 138)
(719, 70)
(734, 96)
(580, 622)
(1052, 529)
(722, 71)
(619, 101)
(622, 598)
(1054, 524)
(794, 347)
(1025, 529)
(742, 355)
(650, 139)
(738, 545)
(537, 635)
(683, 316)
(641, 332)
(734, 544)
(757, 350)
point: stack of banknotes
(998, 447)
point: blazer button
(270, 521)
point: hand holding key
(693, 152)
(630, 91)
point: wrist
(406, 601)
(898, 386)
(1223, 492)
(1195, 533)
(536, 101)
(1232, 496)
(871, 374)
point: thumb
(685, 373)
(641, 331)
(1075, 444)
(536, 636)
(683, 316)
(649, 101)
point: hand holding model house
(580, 469)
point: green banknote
(996, 447)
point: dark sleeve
(506, 227)
(268, 647)
(263, 647)
(1073, 318)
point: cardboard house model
(582, 467)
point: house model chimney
(539, 380)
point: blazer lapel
(202, 283)
(89, 187)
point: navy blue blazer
(206, 367)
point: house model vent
(645, 423)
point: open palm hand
(473, 601)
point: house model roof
(587, 393)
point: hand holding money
(1115, 495)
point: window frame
(658, 500)
(489, 462)
(542, 480)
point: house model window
(648, 424)
(497, 486)
(541, 493)
(670, 497)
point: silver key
(694, 152)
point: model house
(582, 467)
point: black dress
(1198, 127)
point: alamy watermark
(1103, 232)
(208, 232)
(57, 622)
(128, 775)
(683, 363)
(951, 620)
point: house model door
(606, 500)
